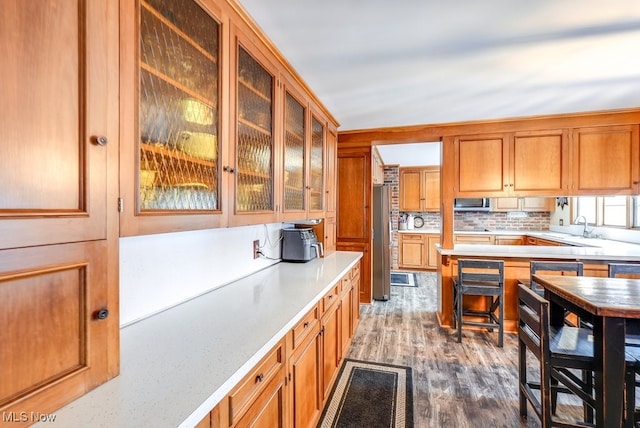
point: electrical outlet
(256, 249)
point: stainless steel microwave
(472, 204)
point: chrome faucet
(585, 233)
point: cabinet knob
(229, 169)
(102, 314)
(260, 377)
(306, 324)
(100, 140)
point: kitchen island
(596, 254)
(177, 365)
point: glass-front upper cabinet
(294, 153)
(179, 90)
(316, 166)
(254, 168)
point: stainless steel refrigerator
(381, 261)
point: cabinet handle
(100, 140)
(330, 297)
(229, 169)
(306, 324)
(102, 314)
(259, 378)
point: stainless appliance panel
(381, 257)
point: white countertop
(178, 364)
(607, 251)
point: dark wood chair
(563, 268)
(479, 278)
(558, 360)
(632, 413)
(573, 268)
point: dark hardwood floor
(468, 384)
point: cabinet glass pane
(178, 114)
(294, 143)
(316, 201)
(254, 150)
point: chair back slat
(575, 268)
(626, 269)
(533, 316)
(477, 270)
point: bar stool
(479, 278)
(632, 413)
(556, 360)
(574, 268)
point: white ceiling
(380, 63)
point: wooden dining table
(607, 303)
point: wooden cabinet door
(606, 160)
(346, 307)
(58, 120)
(254, 150)
(268, 408)
(539, 163)
(354, 194)
(294, 156)
(431, 186)
(330, 333)
(316, 161)
(55, 339)
(410, 190)
(412, 251)
(432, 258)
(505, 204)
(304, 367)
(170, 105)
(330, 172)
(481, 165)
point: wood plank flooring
(468, 384)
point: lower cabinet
(330, 338)
(418, 250)
(291, 384)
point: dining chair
(479, 278)
(559, 352)
(632, 413)
(570, 268)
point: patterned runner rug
(371, 395)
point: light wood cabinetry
(522, 163)
(58, 223)
(259, 398)
(579, 161)
(330, 339)
(606, 160)
(522, 204)
(228, 134)
(482, 239)
(420, 189)
(171, 159)
(413, 251)
(508, 240)
(377, 168)
(432, 251)
(354, 210)
(418, 250)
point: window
(635, 211)
(614, 211)
(586, 206)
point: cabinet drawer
(473, 239)
(246, 391)
(304, 327)
(411, 237)
(345, 283)
(355, 271)
(330, 298)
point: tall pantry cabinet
(58, 218)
